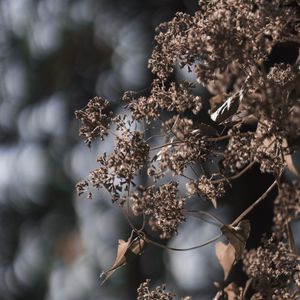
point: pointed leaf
(218, 296)
(237, 236)
(290, 165)
(289, 160)
(214, 202)
(126, 250)
(226, 257)
(232, 292)
(246, 288)
(119, 261)
(227, 109)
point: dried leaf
(290, 165)
(226, 257)
(230, 292)
(233, 292)
(246, 288)
(218, 296)
(227, 109)
(126, 250)
(214, 202)
(289, 160)
(119, 261)
(237, 236)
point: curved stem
(180, 249)
(219, 138)
(167, 144)
(234, 176)
(196, 213)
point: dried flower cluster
(221, 32)
(238, 153)
(162, 205)
(159, 293)
(277, 294)
(185, 147)
(254, 119)
(273, 269)
(95, 120)
(210, 190)
(118, 169)
(178, 98)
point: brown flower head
(276, 294)
(160, 293)
(129, 156)
(161, 204)
(238, 153)
(207, 188)
(272, 265)
(176, 98)
(95, 119)
(185, 147)
(220, 33)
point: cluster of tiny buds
(159, 293)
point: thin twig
(167, 144)
(180, 249)
(247, 286)
(250, 208)
(217, 139)
(196, 213)
(154, 136)
(185, 142)
(234, 176)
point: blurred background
(55, 55)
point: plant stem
(250, 208)
(180, 249)
(236, 175)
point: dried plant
(254, 120)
